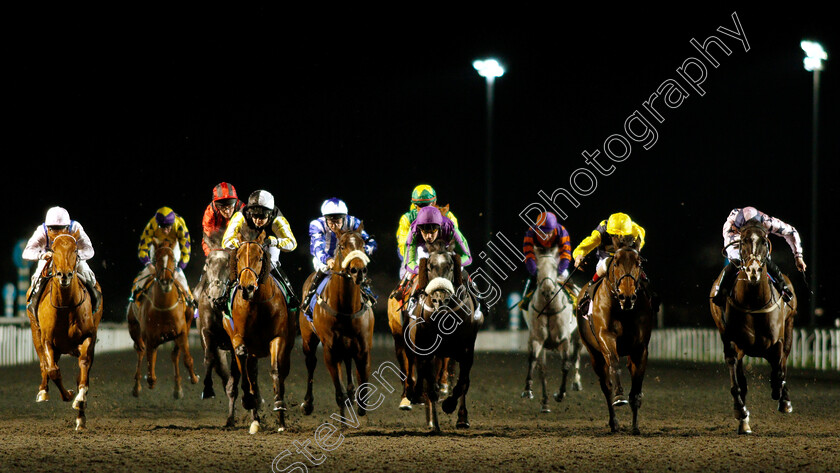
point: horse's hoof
(178, 394)
(231, 422)
(636, 431)
(194, 379)
(545, 410)
(744, 427)
(136, 391)
(255, 427)
(785, 407)
(559, 397)
(619, 401)
(79, 405)
(70, 394)
(279, 406)
(577, 386)
(444, 389)
(462, 424)
(449, 404)
(528, 394)
(208, 394)
(405, 404)
(306, 408)
(81, 423)
(281, 429)
(42, 396)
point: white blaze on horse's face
(355, 261)
(753, 261)
(440, 271)
(217, 275)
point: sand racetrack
(686, 422)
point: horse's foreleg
(44, 387)
(402, 359)
(178, 392)
(459, 392)
(232, 391)
(577, 346)
(599, 364)
(184, 341)
(778, 385)
(543, 367)
(251, 392)
(565, 366)
(335, 372)
(279, 371)
(362, 361)
(637, 363)
(425, 387)
(212, 359)
(151, 360)
(86, 351)
(140, 348)
(534, 347)
(51, 357)
(311, 359)
(351, 388)
(611, 366)
(738, 386)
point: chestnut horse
(342, 321)
(551, 326)
(212, 302)
(756, 322)
(158, 315)
(259, 326)
(66, 323)
(620, 325)
(442, 325)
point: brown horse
(756, 322)
(445, 367)
(443, 324)
(343, 321)
(259, 326)
(66, 323)
(212, 303)
(158, 315)
(620, 325)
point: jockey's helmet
(165, 216)
(430, 216)
(749, 213)
(57, 217)
(224, 191)
(334, 207)
(423, 195)
(547, 222)
(619, 224)
(261, 198)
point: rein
(257, 276)
(84, 296)
(355, 254)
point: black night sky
(116, 114)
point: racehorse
(757, 323)
(619, 325)
(443, 324)
(66, 323)
(343, 322)
(259, 326)
(551, 326)
(158, 315)
(212, 297)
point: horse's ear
(361, 227)
(450, 247)
(77, 234)
(457, 279)
(261, 236)
(444, 209)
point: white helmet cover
(57, 216)
(262, 198)
(333, 206)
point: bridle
(72, 274)
(257, 275)
(614, 289)
(161, 270)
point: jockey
(323, 241)
(166, 225)
(422, 196)
(259, 215)
(38, 248)
(607, 238)
(217, 215)
(553, 235)
(732, 234)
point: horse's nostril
(633, 298)
(621, 297)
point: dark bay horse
(158, 315)
(212, 299)
(66, 323)
(260, 326)
(756, 322)
(343, 322)
(442, 325)
(620, 325)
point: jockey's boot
(367, 291)
(527, 294)
(35, 297)
(313, 288)
(293, 301)
(589, 295)
(779, 280)
(730, 272)
(95, 295)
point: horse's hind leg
(362, 361)
(212, 360)
(637, 364)
(778, 386)
(251, 399)
(459, 392)
(577, 346)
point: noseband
(636, 280)
(248, 268)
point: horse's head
(65, 257)
(755, 248)
(443, 273)
(625, 275)
(165, 265)
(217, 273)
(251, 260)
(546, 270)
(350, 254)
